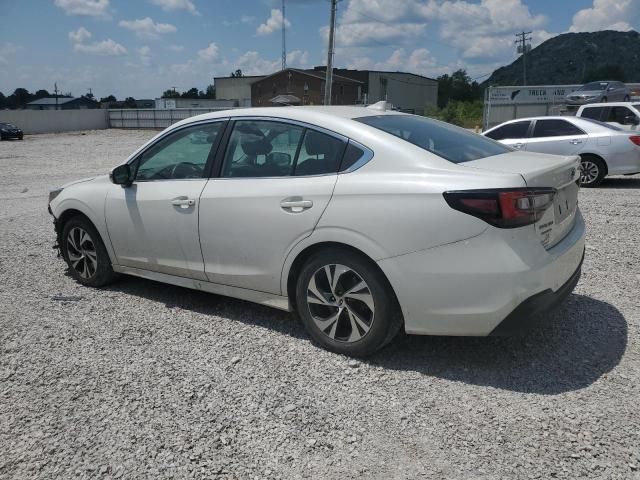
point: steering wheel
(186, 170)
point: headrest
(255, 145)
(316, 143)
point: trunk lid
(542, 170)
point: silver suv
(595, 92)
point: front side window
(266, 148)
(510, 131)
(555, 128)
(447, 141)
(180, 155)
(620, 115)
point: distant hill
(575, 58)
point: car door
(513, 134)
(275, 180)
(153, 223)
(556, 136)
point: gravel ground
(142, 380)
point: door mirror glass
(121, 175)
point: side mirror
(121, 175)
(630, 120)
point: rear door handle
(518, 145)
(575, 142)
(183, 202)
(295, 205)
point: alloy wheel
(340, 303)
(589, 172)
(81, 252)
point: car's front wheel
(592, 171)
(345, 303)
(85, 254)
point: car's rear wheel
(85, 254)
(346, 304)
(592, 171)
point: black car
(9, 130)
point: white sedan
(364, 221)
(603, 149)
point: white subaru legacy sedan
(363, 221)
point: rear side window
(447, 141)
(593, 112)
(511, 130)
(555, 128)
(319, 154)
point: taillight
(503, 208)
(635, 139)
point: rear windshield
(447, 141)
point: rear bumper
(469, 288)
(525, 314)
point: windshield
(447, 141)
(7, 125)
(594, 86)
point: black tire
(83, 270)
(593, 171)
(386, 318)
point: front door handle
(183, 202)
(295, 204)
(575, 142)
(518, 145)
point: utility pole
(328, 78)
(90, 92)
(55, 91)
(284, 39)
(523, 47)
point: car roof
(609, 104)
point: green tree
(3, 101)
(191, 93)
(130, 102)
(605, 72)
(108, 99)
(42, 94)
(237, 74)
(170, 93)
(210, 92)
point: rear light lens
(635, 139)
(503, 208)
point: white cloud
(210, 53)
(169, 5)
(175, 48)
(6, 50)
(80, 35)
(105, 48)
(606, 15)
(273, 23)
(145, 55)
(247, 19)
(252, 64)
(298, 58)
(147, 28)
(92, 8)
